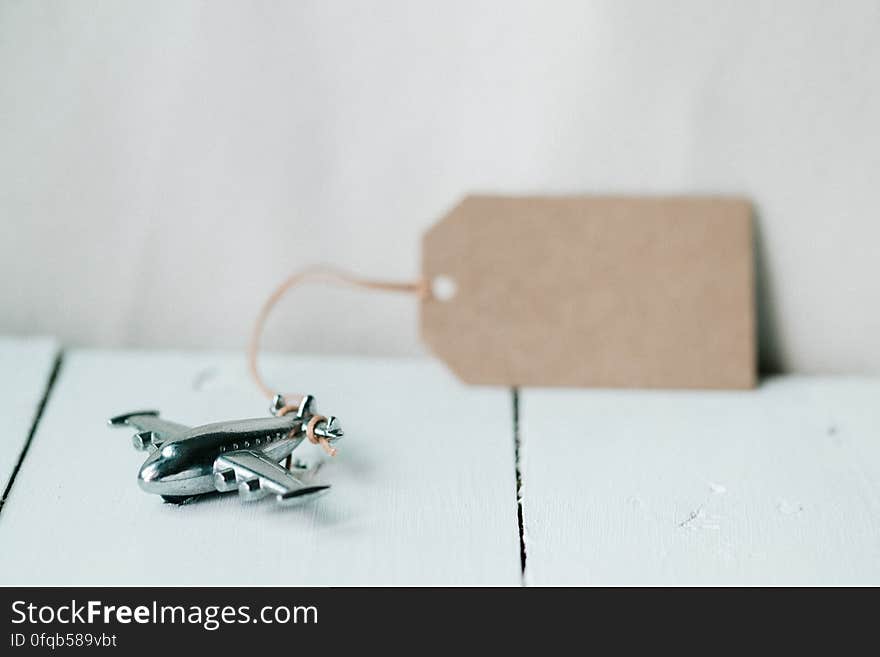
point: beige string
(315, 274)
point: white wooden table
(775, 486)
(423, 487)
(779, 485)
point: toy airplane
(244, 454)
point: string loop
(315, 274)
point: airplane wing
(152, 430)
(256, 476)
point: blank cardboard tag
(593, 291)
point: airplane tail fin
(120, 420)
(302, 495)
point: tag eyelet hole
(443, 287)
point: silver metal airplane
(243, 454)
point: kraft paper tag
(594, 291)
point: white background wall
(163, 164)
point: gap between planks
(517, 455)
(50, 384)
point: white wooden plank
(25, 367)
(423, 487)
(775, 486)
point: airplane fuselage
(185, 466)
